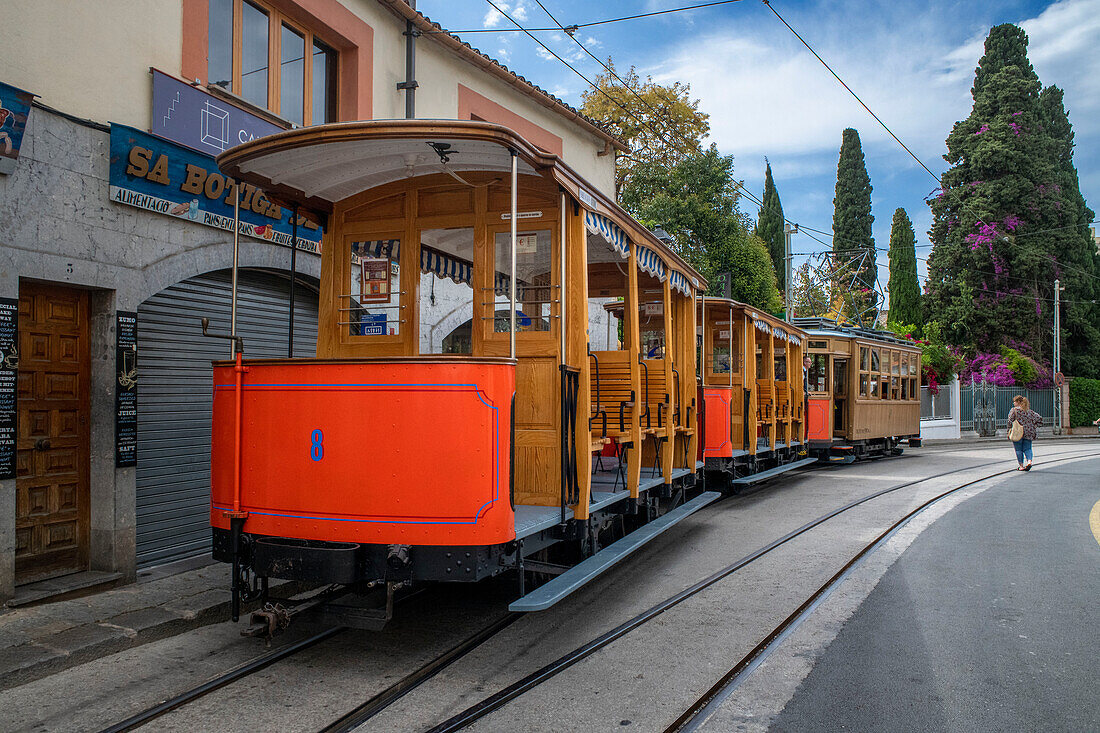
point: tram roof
(316, 167)
(757, 315)
(817, 326)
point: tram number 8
(317, 448)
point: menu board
(126, 389)
(375, 275)
(9, 364)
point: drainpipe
(410, 85)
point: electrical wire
(577, 26)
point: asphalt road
(989, 621)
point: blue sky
(912, 62)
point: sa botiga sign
(154, 174)
(15, 107)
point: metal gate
(174, 395)
(984, 407)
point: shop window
(372, 305)
(535, 291)
(446, 291)
(261, 56)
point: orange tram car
(463, 417)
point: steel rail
(407, 684)
(698, 713)
(518, 688)
(220, 681)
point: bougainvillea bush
(1008, 368)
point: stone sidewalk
(36, 641)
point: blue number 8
(317, 450)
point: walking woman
(1029, 422)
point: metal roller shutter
(174, 394)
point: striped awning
(649, 261)
(679, 282)
(794, 339)
(779, 332)
(761, 325)
(609, 230)
(389, 248)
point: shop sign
(15, 106)
(126, 388)
(9, 363)
(161, 176)
(187, 115)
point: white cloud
(767, 95)
(520, 12)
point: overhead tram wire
(577, 26)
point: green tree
(852, 219)
(696, 201)
(904, 288)
(990, 274)
(1072, 246)
(812, 296)
(660, 123)
(770, 225)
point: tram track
(507, 694)
(700, 711)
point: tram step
(579, 575)
(772, 472)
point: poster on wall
(9, 364)
(160, 176)
(15, 107)
(126, 389)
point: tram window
(534, 282)
(913, 393)
(895, 362)
(720, 362)
(372, 306)
(904, 389)
(446, 291)
(885, 388)
(863, 358)
(819, 372)
(874, 360)
(760, 374)
(781, 364)
(874, 386)
(894, 388)
(651, 320)
(863, 378)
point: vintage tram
(455, 421)
(864, 391)
(751, 392)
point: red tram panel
(818, 419)
(383, 452)
(716, 433)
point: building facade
(115, 239)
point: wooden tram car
(458, 448)
(751, 391)
(864, 391)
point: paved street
(943, 632)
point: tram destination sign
(126, 388)
(157, 175)
(9, 363)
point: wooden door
(51, 522)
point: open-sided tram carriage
(454, 421)
(751, 390)
(864, 395)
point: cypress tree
(852, 219)
(769, 227)
(1071, 246)
(990, 275)
(904, 289)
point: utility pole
(1057, 357)
(788, 291)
